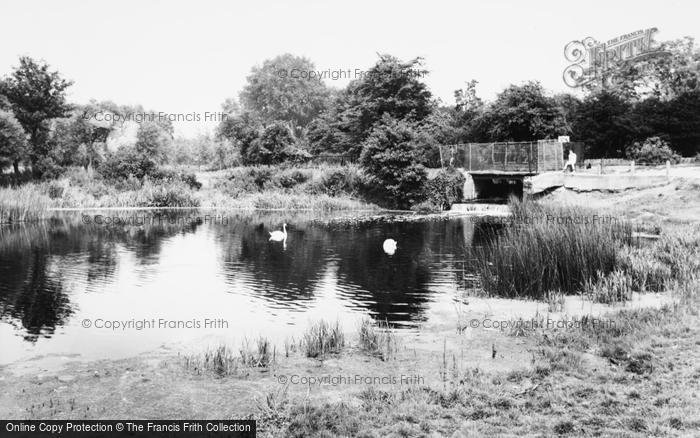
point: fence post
(601, 166)
(632, 167)
(470, 157)
(668, 170)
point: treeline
(387, 120)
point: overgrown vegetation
(547, 248)
(653, 150)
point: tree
(604, 120)
(673, 71)
(241, 131)
(36, 95)
(523, 113)
(80, 139)
(281, 90)
(275, 144)
(153, 141)
(13, 140)
(391, 88)
(389, 157)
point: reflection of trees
(281, 274)
(32, 294)
(398, 285)
(36, 261)
(395, 288)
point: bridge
(497, 170)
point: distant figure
(389, 246)
(571, 162)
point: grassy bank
(313, 188)
(635, 376)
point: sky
(184, 57)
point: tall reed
(322, 338)
(23, 203)
(547, 248)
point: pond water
(140, 280)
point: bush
(55, 190)
(389, 158)
(291, 178)
(171, 176)
(653, 150)
(169, 195)
(337, 181)
(127, 162)
(444, 190)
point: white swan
(389, 246)
(279, 236)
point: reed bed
(21, 204)
(547, 248)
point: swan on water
(279, 236)
(389, 246)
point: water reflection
(55, 273)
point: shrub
(337, 181)
(653, 150)
(55, 190)
(291, 178)
(389, 157)
(445, 189)
(169, 195)
(171, 176)
(127, 162)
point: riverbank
(634, 375)
(321, 188)
(630, 372)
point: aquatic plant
(322, 338)
(377, 339)
(549, 248)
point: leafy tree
(13, 140)
(275, 144)
(81, 138)
(280, 90)
(389, 157)
(390, 88)
(467, 115)
(523, 113)
(676, 70)
(604, 120)
(241, 131)
(36, 95)
(153, 140)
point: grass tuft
(322, 338)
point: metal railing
(521, 157)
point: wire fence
(523, 157)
